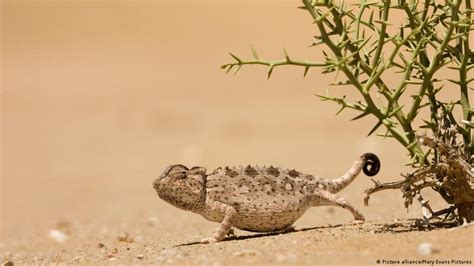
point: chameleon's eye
(178, 171)
(178, 175)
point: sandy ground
(99, 97)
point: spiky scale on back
(255, 198)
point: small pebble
(125, 237)
(138, 238)
(426, 248)
(168, 252)
(140, 256)
(286, 258)
(112, 253)
(152, 221)
(100, 245)
(170, 255)
(7, 263)
(57, 236)
(246, 252)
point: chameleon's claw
(209, 240)
(358, 221)
(231, 233)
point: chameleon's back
(265, 198)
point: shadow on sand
(398, 226)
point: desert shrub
(361, 45)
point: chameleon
(253, 198)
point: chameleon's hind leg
(325, 198)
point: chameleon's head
(182, 187)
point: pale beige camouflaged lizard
(259, 199)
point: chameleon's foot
(209, 240)
(358, 216)
(231, 233)
(358, 221)
(287, 229)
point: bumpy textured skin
(259, 199)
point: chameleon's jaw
(157, 184)
(179, 193)
(162, 185)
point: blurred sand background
(98, 97)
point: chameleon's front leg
(226, 224)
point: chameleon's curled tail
(369, 163)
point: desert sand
(98, 97)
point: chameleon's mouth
(163, 184)
(157, 183)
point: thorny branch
(366, 47)
(419, 51)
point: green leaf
(237, 69)
(371, 17)
(386, 135)
(342, 44)
(286, 55)
(413, 144)
(454, 81)
(383, 22)
(375, 128)
(236, 58)
(340, 83)
(414, 82)
(325, 54)
(425, 156)
(436, 90)
(394, 112)
(255, 56)
(365, 113)
(405, 61)
(305, 71)
(270, 71)
(341, 109)
(228, 70)
(316, 44)
(323, 16)
(430, 125)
